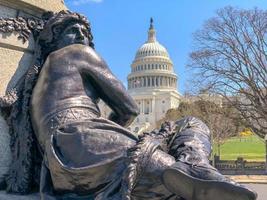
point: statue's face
(73, 34)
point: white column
(153, 105)
(131, 83)
(143, 106)
(165, 81)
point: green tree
(223, 120)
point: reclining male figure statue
(88, 157)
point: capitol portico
(152, 83)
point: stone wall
(34, 7)
(240, 166)
(5, 154)
(55, 5)
(16, 56)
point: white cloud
(82, 2)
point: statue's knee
(194, 124)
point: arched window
(136, 129)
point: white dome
(152, 49)
(152, 68)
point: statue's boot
(149, 185)
(192, 177)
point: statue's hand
(9, 99)
(113, 117)
(121, 120)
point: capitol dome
(151, 49)
(152, 67)
(152, 82)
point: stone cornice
(36, 6)
(153, 73)
(151, 59)
(139, 93)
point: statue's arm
(112, 92)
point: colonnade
(152, 81)
(152, 67)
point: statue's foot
(190, 187)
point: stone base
(5, 153)
(5, 196)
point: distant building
(152, 83)
(205, 96)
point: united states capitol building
(152, 83)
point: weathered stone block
(5, 158)
(4, 196)
(7, 12)
(13, 65)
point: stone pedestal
(5, 152)
(5, 196)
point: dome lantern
(151, 32)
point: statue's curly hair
(25, 169)
(56, 24)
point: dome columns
(156, 81)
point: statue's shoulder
(76, 52)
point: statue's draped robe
(85, 153)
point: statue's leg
(192, 176)
(149, 185)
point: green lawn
(250, 148)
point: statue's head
(63, 29)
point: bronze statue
(55, 117)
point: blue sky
(120, 28)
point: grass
(251, 148)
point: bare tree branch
(230, 59)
